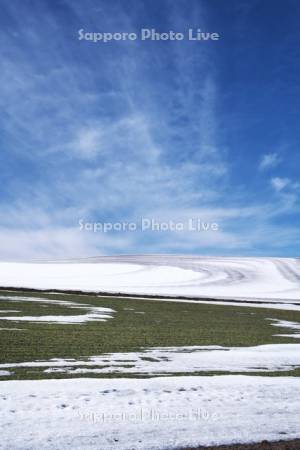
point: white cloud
(130, 134)
(58, 243)
(280, 183)
(269, 160)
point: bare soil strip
(264, 445)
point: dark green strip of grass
(162, 324)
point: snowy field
(55, 335)
(161, 413)
(272, 279)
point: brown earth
(264, 445)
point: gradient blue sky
(169, 130)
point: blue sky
(169, 130)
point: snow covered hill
(272, 279)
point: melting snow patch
(65, 320)
(12, 329)
(287, 324)
(93, 314)
(166, 360)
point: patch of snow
(287, 324)
(294, 335)
(172, 360)
(98, 314)
(62, 320)
(12, 329)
